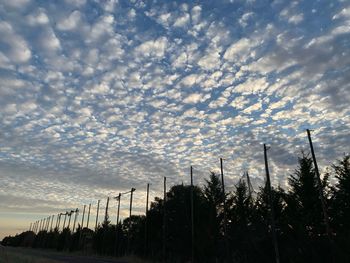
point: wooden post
(75, 218)
(224, 204)
(146, 221)
(164, 221)
(70, 215)
(82, 219)
(106, 212)
(53, 216)
(48, 224)
(116, 247)
(320, 189)
(272, 212)
(130, 208)
(192, 218)
(98, 208)
(64, 222)
(88, 219)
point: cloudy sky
(100, 96)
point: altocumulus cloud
(98, 97)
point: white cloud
(18, 50)
(71, 22)
(195, 98)
(238, 49)
(252, 108)
(182, 21)
(153, 48)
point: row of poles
(43, 225)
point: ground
(27, 255)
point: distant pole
(70, 215)
(106, 212)
(146, 220)
(48, 224)
(130, 208)
(64, 222)
(320, 189)
(224, 204)
(40, 224)
(98, 208)
(116, 228)
(272, 212)
(30, 227)
(164, 222)
(53, 216)
(192, 218)
(119, 197)
(88, 219)
(57, 220)
(82, 219)
(75, 218)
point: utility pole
(88, 219)
(98, 208)
(82, 220)
(116, 233)
(64, 222)
(146, 220)
(75, 218)
(106, 212)
(57, 220)
(164, 222)
(48, 223)
(130, 208)
(224, 204)
(320, 189)
(70, 215)
(53, 216)
(272, 212)
(192, 218)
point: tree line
(230, 227)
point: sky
(100, 96)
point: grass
(20, 256)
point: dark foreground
(19, 255)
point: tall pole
(88, 219)
(57, 220)
(192, 218)
(70, 215)
(64, 222)
(130, 208)
(272, 212)
(75, 218)
(320, 188)
(30, 227)
(53, 216)
(82, 219)
(116, 232)
(164, 222)
(48, 223)
(106, 212)
(224, 204)
(98, 208)
(146, 220)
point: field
(27, 255)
